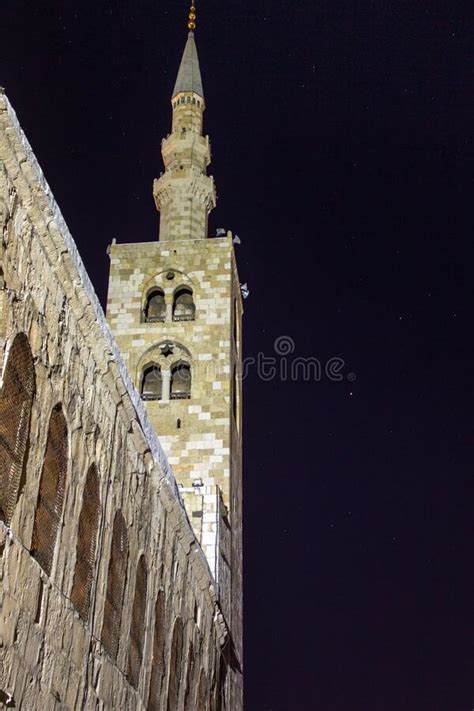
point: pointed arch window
(183, 304)
(137, 630)
(180, 388)
(51, 491)
(16, 399)
(155, 307)
(157, 663)
(86, 545)
(175, 666)
(116, 578)
(152, 383)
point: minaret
(175, 309)
(184, 194)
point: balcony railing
(180, 396)
(153, 319)
(183, 317)
(151, 396)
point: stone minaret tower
(175, 309)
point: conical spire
(189, 74)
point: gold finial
(192, 18)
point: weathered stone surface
(50, 656)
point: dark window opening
(152, 383)
(155, 307)
(180, 381)
(183, 305)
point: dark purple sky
(341, 147)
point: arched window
(137, 630)
(175, 665)
(16, 399)
(152, 383)
(155, 307)
(86, 545)
(183, 304)
(180, 381)
(157, 663)
(51, 491)
(116, 578)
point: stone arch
(137, 630)
(86, 544)
(175, 665)
(16, 400)
(167, 280)
(116, 579)
(50, 502)
(157, 662)
(163, 355)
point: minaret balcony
(186, 143)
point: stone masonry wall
(169, 618)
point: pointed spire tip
(189, 74)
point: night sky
(341, 148)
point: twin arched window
(168, 385)
(181, 309)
